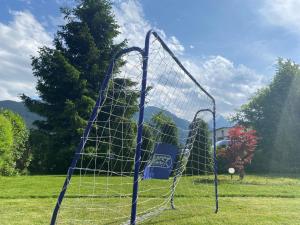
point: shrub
(241, 149)
(15, 151)
(6, 144)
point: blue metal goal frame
(213, 113)
(137, 161)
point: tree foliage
(165, 129)
(14, 151)
(274, 113)
(147, 143)
(6, 143)
(69, 78)
(200, 157)
(240, 150)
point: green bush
(6, 144)
(14, 151)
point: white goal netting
(177, 119)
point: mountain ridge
(20, 108)
(183, 124)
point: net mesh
(100, 191)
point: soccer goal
(148, 151)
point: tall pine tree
(69, 78)
(198, 139)
(165, 129)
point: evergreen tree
(147, 144)
(198, 140)
(165, 129)
(69, 78)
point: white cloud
(26, 1)
(230, 84)
(134, 26)
(57, 21)
(19, 39)
(65, 2)
(282, 13)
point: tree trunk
(242, 174)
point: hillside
(182, 124)
(221, 121)
(20, 108)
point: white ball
(231, 170)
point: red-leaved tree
(241, 148)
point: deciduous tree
(14, 150)
(274, 113)
(241, 149)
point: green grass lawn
(256, 200)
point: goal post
(88, 128)
(195, 125)
(146, 143)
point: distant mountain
(221, 121)
(150, 110)
(182, 124)
(21, 109)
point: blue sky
(235, 29)
(230, 46)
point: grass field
(256, 200)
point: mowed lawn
(255, 200)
